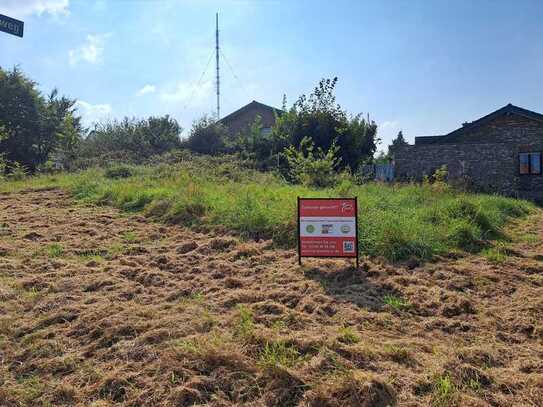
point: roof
(248, 106)
(454, 136)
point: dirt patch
(100, 308)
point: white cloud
(93, 113)
(23, 8)
(91, 51)
(146, 89)
(188, 93)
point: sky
(423, 67)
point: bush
(315, 169)
(207, 136)
(16, 172)
(131, 139)
(120, 171)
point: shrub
(312, 168)
(133, 138)
(17, 172)
(207, 136)
(464, 235)
(120, 171)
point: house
(500, 152)
(242, 119)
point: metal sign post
(11, 26)
(327, 227)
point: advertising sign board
(327, 227)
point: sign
(327, 227)
(11, 26)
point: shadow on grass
(346, 284)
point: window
(529, 163)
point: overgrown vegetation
(397, 222)
(34, 126)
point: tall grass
(397, 222)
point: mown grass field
(397, 222)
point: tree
(207, 136)
(319, 118)
(68, 142)
(397, 144)
(31, 122)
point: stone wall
(487, 157)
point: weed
(275, 354)
(129, 237)
(116, 249)
(29, 389)
(189, 346)
(444, 391)
(245, 324)
(397, 353)
(348, 335)
(495, 255)
(397, 303)
(55, 250)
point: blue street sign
(11, 26)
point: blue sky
(420, 66)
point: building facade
(500, 152)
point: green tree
(319, 118)
(68, 144)
(263, 148)
(397, 144)
(207, 136)
(31, 122)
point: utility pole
(217, 64)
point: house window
(529, 163)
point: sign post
(327, 227)
(11, 26)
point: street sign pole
(11, 26)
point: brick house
(500, 152)
(242, 119)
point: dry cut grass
(99, 308)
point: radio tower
(217, 64)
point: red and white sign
(327, 227)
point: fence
(379, 172)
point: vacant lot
(102, 308)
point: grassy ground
(396, 222)
(106, 308)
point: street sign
(11, 26)
(327, 227)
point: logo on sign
(345, 229)
(346, 207)
(310, 228)
(326, 229)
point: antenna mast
(217, 65)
